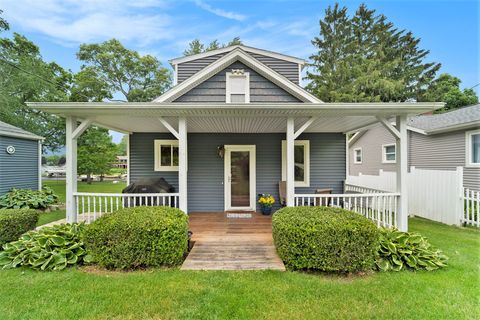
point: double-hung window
(302, 162)
(357, 155)
(237, 86)
(472, 148)
(389, 154)
(166, 155)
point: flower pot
(266, 210)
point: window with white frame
(357, 155)
(166, 155)
(237, 86)
(389, 153)
(473, 148)
(302, 162)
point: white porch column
(290, 162)
(402, 165)
(71, 168)
(182, 164)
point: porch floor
(223, 243)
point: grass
(450, 293)
(59, 187)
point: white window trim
(229, 75)
(306, 144)
(468, 149)
(384, 154)
(355, 161)
(158, 166)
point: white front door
(240, 177)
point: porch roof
(233, 118)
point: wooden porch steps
(231, 244)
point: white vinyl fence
(432, 194)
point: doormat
(239, 215)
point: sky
(449, 29)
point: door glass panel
(240, 181)
(299, 163)
(166, 155)
(476, 148)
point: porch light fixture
(221, 151)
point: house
(435, 141)
(20, 159)
(236, 123)
(121, 162)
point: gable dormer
(288, 66)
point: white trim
(175, 76)
(306, 168)
(225, 61)
(384, 154)
(263, 52)
(128, 159)
(304, 127)
(355, 161)
(388, 125)
(468, 149)
(228, 93)
(20, 135)
(169, 127)
(182, 164)
(227, 176)
(157, 158)
(39, 164)
(81, 128)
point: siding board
(206, 169)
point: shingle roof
(465, 115)
(12, 131)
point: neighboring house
(20, 159)
(437, 141)
(235, 124)
(121, 162)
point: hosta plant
(27, 198)
(50, 248)
(407, 251)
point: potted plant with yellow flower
(266, 202)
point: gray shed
(20, 159)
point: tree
(122, 146)
(117, 69)
(446, 88)
(366, 58)
(3, 23)
(96, 152)
(195, 46)
(27, 77)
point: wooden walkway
(223, 243)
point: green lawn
(59, 187)
(450, 293)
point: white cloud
(220, 12)
(89, 20)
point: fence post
(459, 210)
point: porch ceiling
(234, 118)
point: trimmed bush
(325, 239)
(407, 251)
(138, 237)
(15, 222)
(50, 248)
(27, 198)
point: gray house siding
(214, 89)
(444, 151)
(206, 169)
(18, 170)
(371, 143)
(287, 69)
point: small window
(473, 148)
(166, 155)
(389, 154)
(237, 87)
(357, 155)
(302, 162)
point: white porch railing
(471, 207)
(378, 207)
(90, 206)
(360, 189)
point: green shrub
(324, 238)
(27, 198)
(50, 248)
(15, 222)
(138, 237)
(407, 251)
